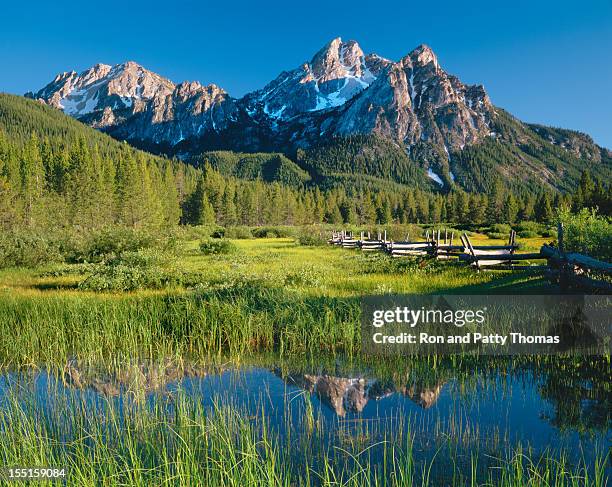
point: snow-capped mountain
(412, 102)
(335, 74)
(124, 86)
(135, 103)
(415, 100)
(340, 91)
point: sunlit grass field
(326, 271)
(268, 295)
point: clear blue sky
(545, 61)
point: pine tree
(319, 206)
(135, 193)
(478, 208)
(8, 205)
(383, 210)
(274, 204)
(526, 212)
(347, 211)
(422, 209)
(228, 210)
(207, 212)
(57, 178)
(333, 215)
(435, 210)
(172, 210)
(543, 209)
(32, 178)
(510, 210)
(461, 206)
(587, 186)
(495, 202)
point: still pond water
(491, 410)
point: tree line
(228, 201)
(56, 173)
(46, 185)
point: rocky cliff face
(189, 111)
(335, 74)
(134, 103)
(340, 91)
(126, 86)
(413, 102)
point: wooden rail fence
(571, 271)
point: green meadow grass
(269, 295)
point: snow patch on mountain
(432, 175)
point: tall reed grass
(177, 440)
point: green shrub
(189, 232)
(536, 230)
(311, 238)
(27, 249)
(500, 228)
(588, 233)
(500, 236)
(238, 233)
(96, 246)
(147, 269)
(124, 278)
(274, 232)
(217, 247)
(528, 226)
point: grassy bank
(268, 295)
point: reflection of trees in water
(580, 393)
(343, 394)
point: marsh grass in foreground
(270, 295)
(176, 439)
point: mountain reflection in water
(343, 394)
(572, 395)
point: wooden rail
(571, 270)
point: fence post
(564, 266)
(560, 238)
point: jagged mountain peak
(340, 92)
(411, 101)
(334, 75)
(424, 55)
(102, 86)
(337, 59)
